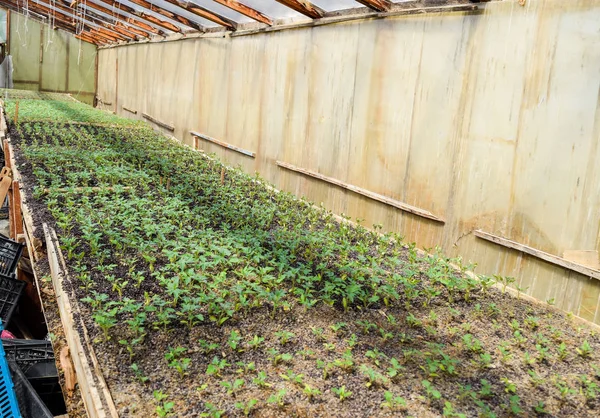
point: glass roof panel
(150, 13)
(333, 5)
(121, 13)
(184, 13)
(223, 11)
(273, 9)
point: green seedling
(342, 393)
(432, 393)
(234, 386)
(278, 398)
(246, 407)
(392, 402)
(311, 392)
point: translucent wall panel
(2, 26)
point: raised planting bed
(211, 296)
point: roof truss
(113, 21)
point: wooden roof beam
(246, 11)
(167, 13)
(158, 22)
(131, 29)
(379, 5)
(97, 20)
(202, 12)
(85, 37)
(305, 7)
(13, 7)
(120, 15)
(57, 15)
(109, 23)
(103, 34)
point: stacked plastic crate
(29, 374)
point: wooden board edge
(99, 375)
(363, 192)
(231, 147)
(29, 227)
(85, 377)
(542, 255)
(164, 125)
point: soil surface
(434, 343)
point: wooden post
(17, 113)
(16, 209)
(222, 176)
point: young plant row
(157, 244)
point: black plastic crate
(30, 404)
(35, 358)
(28, 353)
(10, 252)
(10, 292)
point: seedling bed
(206, 297)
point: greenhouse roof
(113, 22)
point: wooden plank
(5, 184)
(98, 371)
(129, 110)
(204, 13)
(304, 7)
(222, 144)
(358, 15)
(104, 103)
(91, 394)
(91, 17)
(167, 13)
(122, 17)
(559, 261)
(67, 19)
(379, 5)
(7, 154)
(116, 5)
(589, 258)
(16, 209)
(168, 127)
(29, 228)
(88, 39)
(246, 11)
(363, 192)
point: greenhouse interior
(300, 208)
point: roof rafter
(92, 18)
(167, 13)
(103, 34)
(57, 17)
(199, 11)
(246, 11)
(158, 22)
(118, 14)
(67, 19)
(305, 7)
(57, 22)
(113, 20)
(42, 17)
(379, 5)
(87, 38)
